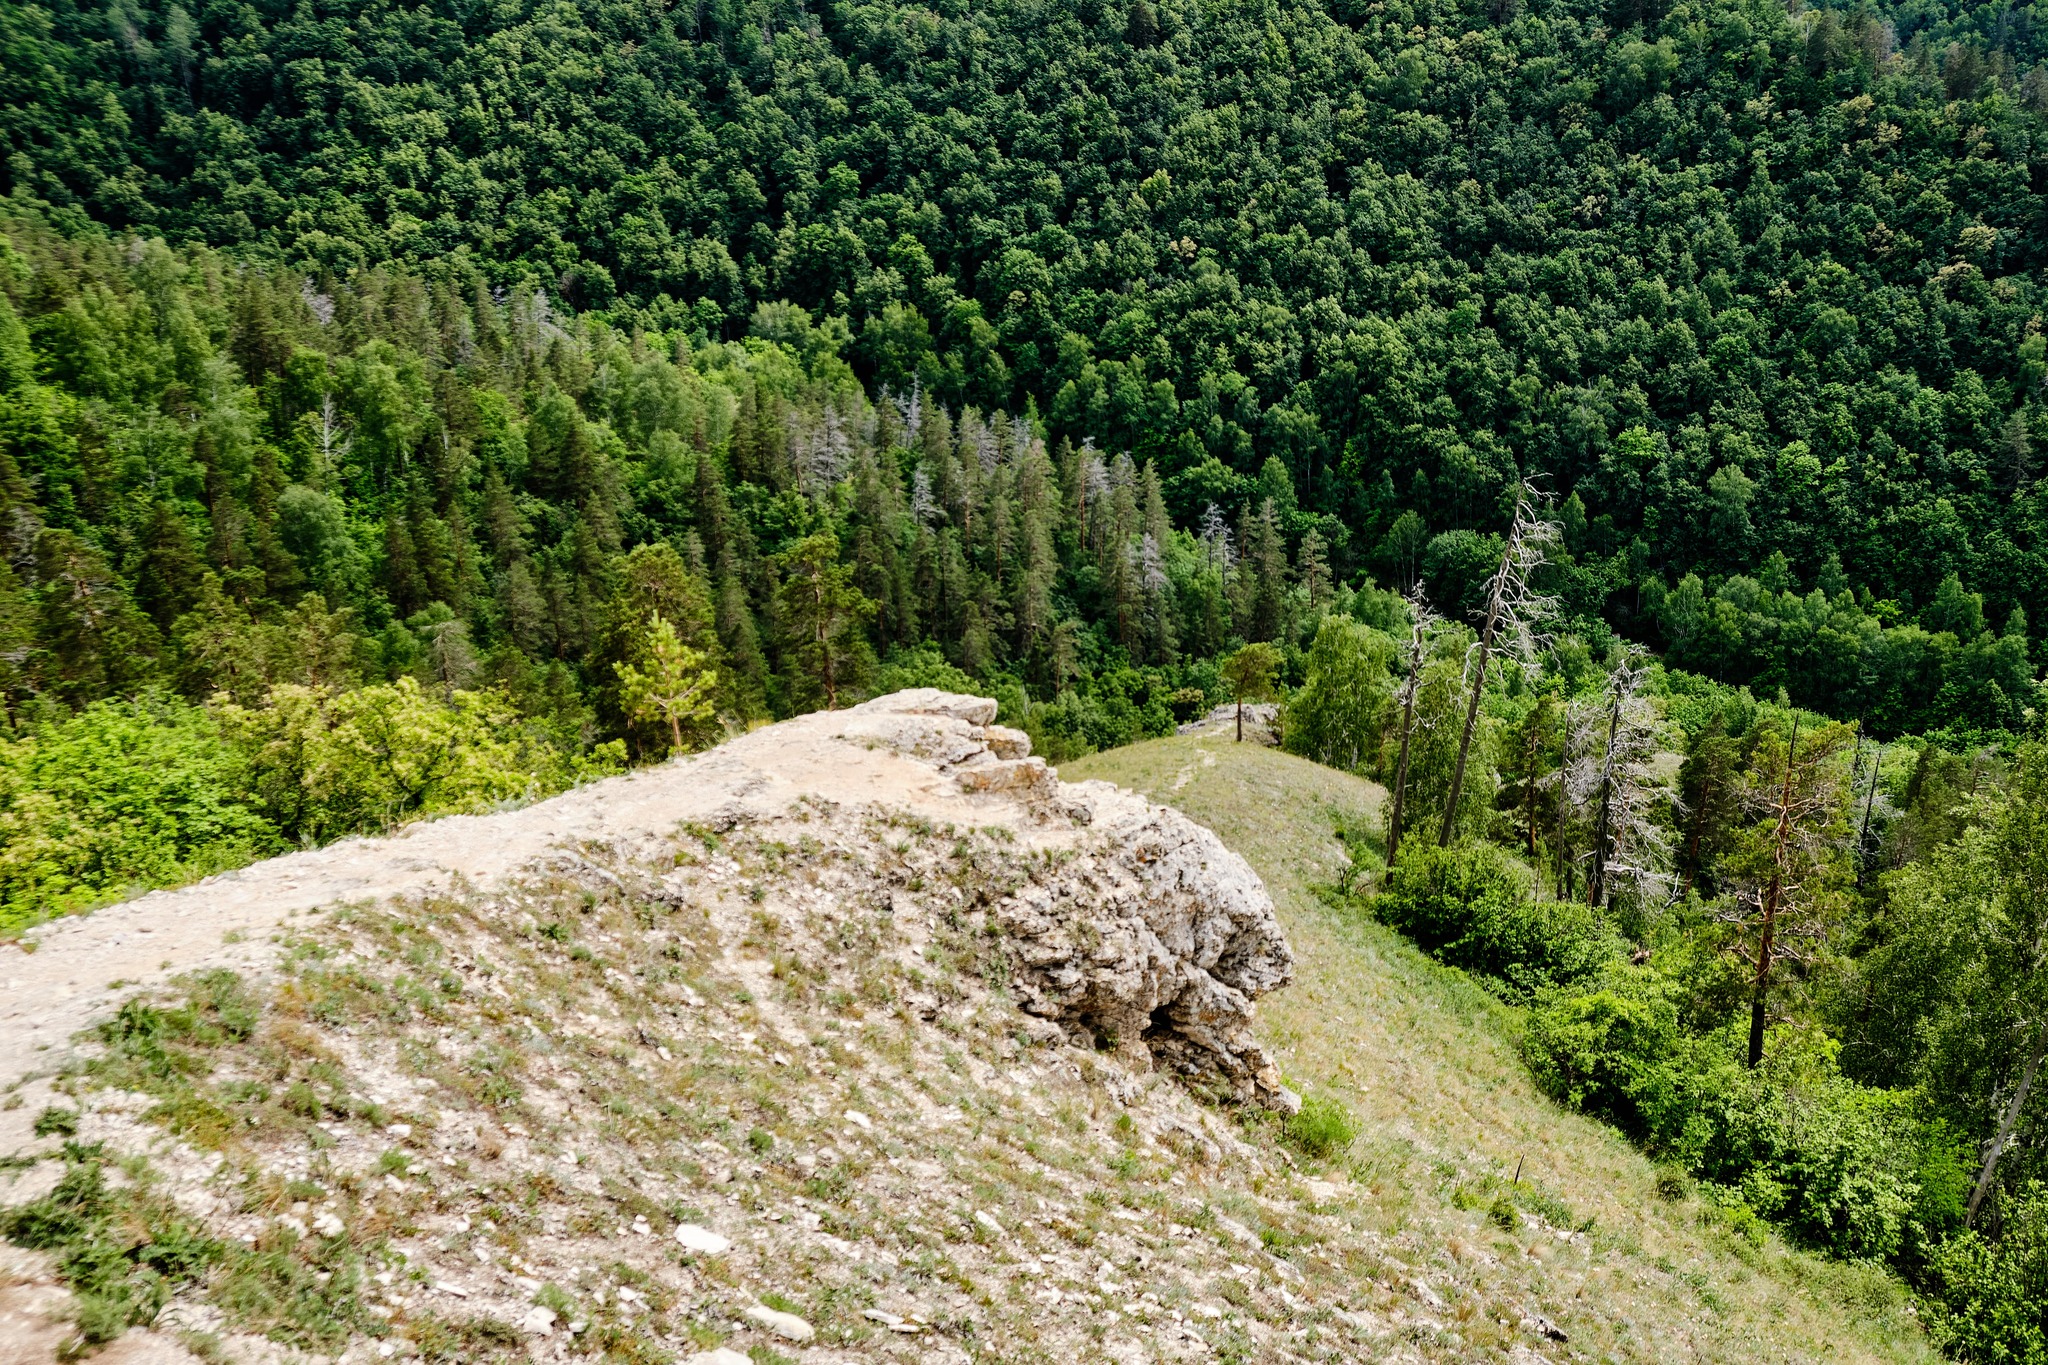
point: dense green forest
(406, 410)
(1749, 283)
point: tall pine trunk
(1765, 943)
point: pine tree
(823, 618)
(676, 687)
(1789, 865)
(1262, 576)
(1709, 786)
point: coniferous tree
(822, 616)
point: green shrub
(55, 1122)
(121, 1254)
(1467, 906)
(1321, 1128)
(1988, 1300)
(1855, 1171)
(1849, 1169)
(1617, 1053)
(122, 794)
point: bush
(122, 794)
(1321, 1128)
(1854, 1171)
(1849, 1169)
(1986, 1300)
(1617, 1053)
(1466, 905)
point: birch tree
(2018, 855)
(1510, 621)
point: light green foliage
(677, 687)
(1469, 906)
(1322, 1128)
(1341, 712)
(323, 764)
(122, 794)
(1433, 747)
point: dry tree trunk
(2006, 1125)
(1513, 608)
(1596, 881)
(1422, 623)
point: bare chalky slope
(922, 753)
(863, 1037)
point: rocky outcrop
(1135, 927)
(1155, 942)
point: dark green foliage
(1737, 281)
(1986, 1296)
(1470, 907)
(55, 1122)
(1855, 1171)
(1617, 1053)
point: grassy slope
(1428, 1063)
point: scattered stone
(700, 1239)
(786, 1325)
(538, 1322)
(328, 1225)
(723, 1355)
(987, 1220)
(860, 1120)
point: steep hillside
(860, 1039)
(1427, 1062)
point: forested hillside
(1747, 283)
(408, 410)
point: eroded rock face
(1155, 940)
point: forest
(1611, 425)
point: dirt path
(81, 967)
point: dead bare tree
(333, 437)
(1612, 743)
(1423, 624)
(1511, 619)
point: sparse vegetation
(1431, 1063)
